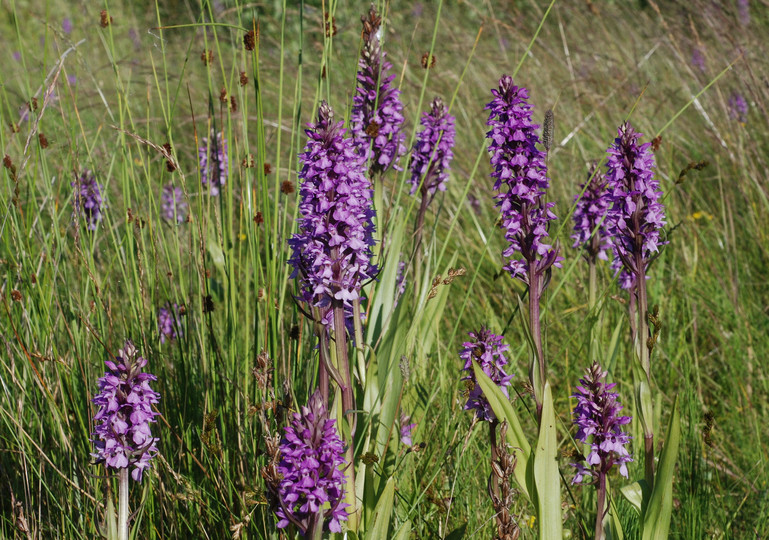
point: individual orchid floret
(637, 216)
(377, 112)
(432, 153)
(521, 182)
(590, 231)
(89, 201)
(331, 252)
(173, 207)
(599, 424)
(213, 162)
(311, 487)
(738, 108)
(406, 429)
(487, 349)
(122, 437)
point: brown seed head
(249, 40)
(43, 140)
(287, 187)
(106, 19)
(267, 168)
(330, 25)
(223, 95)
(656, 142)
(32, 104)
(233, 104)
(258, 218)
(207, 57)
(16, 295)
(243, 78)
(428, 60)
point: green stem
(122, 521)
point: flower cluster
(332, 250)
(406, 429)
(121, 435)
(213, 162)
(589, 215)
(487, 349)
(376, 115)
(173, 207)
(738, 107)
(312, 483)
(89, 202)
(432, 155)
(637, 215)
(168, 322)
(520, 180)
(596, 417)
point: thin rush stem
(643, 355)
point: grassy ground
(120, 92)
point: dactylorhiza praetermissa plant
(376, 116)
(173, 207)
(520, 180)
(89, 201)
(488, 350)
(331, 252)
(122, 437)
(168, 322)
(590, 232)
(213, 162)
(311, 489)
(738, 108)
(599, 424)
(432, 152)
(637, 216)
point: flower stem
(122, 521)
(538, 368)
(601, 495)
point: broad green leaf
(633, 494)
(404, 533)
(504, 410)
(613, 526)
(547, 478)
(384, 509)
(217, 256)
(656, 519)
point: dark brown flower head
(16, 295)
(43, 140)
(371, 24)
(247, 162)
(223, 95)
(372, 130)
(249, 40)
(233, 104)
(32, 104)
(330, 25)
(13, 126)
(428, 60)
(656, 142)
(8, 164)
(106, 19)
(258, 218)
(169, 163)
(207, 56)
(208, 304)
(294, 333)
(243, 78)
(267, 168)
(287, 187)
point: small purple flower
(376, 115)
(121, 435)
(331, 252)
(590, 210)
(311, 466)
(738, 108)
(597, 419)
(173, 207)
(16, 56)
(89, 203)
(213, 162)
(169, 325)
(406, 429)
(521, 181)
(431, 156)
(72, 80)
(698, 59)
(637, 216)
(487, 349)
(743, 12)
(66, 25)
(133, 35)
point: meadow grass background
(70, 297)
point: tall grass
(70, 297)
